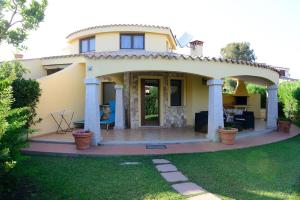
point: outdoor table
(61, 118)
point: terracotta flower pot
(228, 135)
(284, 126)
(82, 139)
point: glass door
(150, 102)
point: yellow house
(137, 67)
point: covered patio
(200, 81)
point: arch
(211, 69)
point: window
(87, 45)
(52, 71)
(176, 92)
(282, 73)
(132, 41)
(109, 92)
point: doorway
(150, 89)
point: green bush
(257, 89)
(26, 93)
(16, 115)
(289, 97)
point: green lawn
(268, 172)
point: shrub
(289, 97)
(15, 115)
(5, 103)
(26, 93)
(257, 89)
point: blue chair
(112, 106)
(111, 117)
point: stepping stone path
(180, 182)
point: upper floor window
(87, 44)
(132, 41)
(282, 73)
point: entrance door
(150, 102)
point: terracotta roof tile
(164, 55)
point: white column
(272, 106)
(120, 111)
(92, 110)
(215, 109)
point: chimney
(241, 89)
(18, 56)
(196, 47)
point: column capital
(215, 82)
(91, 81)
(273, 87)
(118, 86)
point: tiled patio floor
(205, 146)
(144, 135)
(141, 135)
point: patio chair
(109, 121)
(111, 115)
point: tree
(238, 51)
(229, 85)
(17, 18)
(289, 96)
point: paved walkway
(180, 182)
(103, 150)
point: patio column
(120, 111)
(215, 109)
(272, 106)
(92, 110)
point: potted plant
(82, 139)
(228, 134)
(283, 125)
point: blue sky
(271, 26)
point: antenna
(184, 40)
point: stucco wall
(155, 42)
(35, 68)
(64, 90)
(111, 42)
(107, 42)
(255, 105)
(197, 97)
(210, 69)
(73, 47)
(123, 29)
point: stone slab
(166, 168)
(172, 177)
(206, 196)
(188, 188)
(160, 161)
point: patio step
(255, 133)
(158, 142)
(51, 141)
